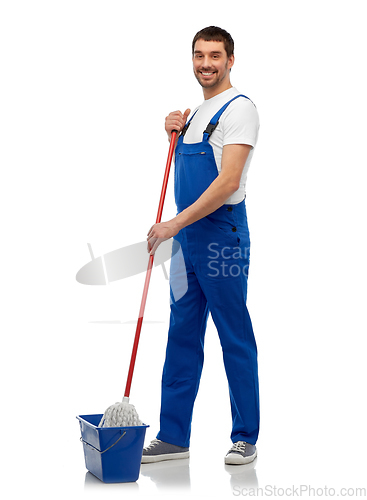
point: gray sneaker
(241, 453)
(158, 451)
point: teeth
(207, 74)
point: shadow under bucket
(113, 454)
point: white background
(85, 88)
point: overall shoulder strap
(184, 130)
(212, 125)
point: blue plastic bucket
(113, 454)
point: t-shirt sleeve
(241, 123)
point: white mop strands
(120, 415)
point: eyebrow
(212, 52)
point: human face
(212, 67)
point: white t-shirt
(239, 124)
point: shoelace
(239, 446)
(153, 443)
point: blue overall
(216, 253)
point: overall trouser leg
(240, 361)
(223, 273)
(184, 361)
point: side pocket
(225, 230)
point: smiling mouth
(207, 73)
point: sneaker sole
(237, 459)
(148, 459)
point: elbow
(229, 184)
(233, 186)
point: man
(212, 157)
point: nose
(206, 62)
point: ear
(230, 61)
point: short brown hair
(216, 34)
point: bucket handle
(101, 452)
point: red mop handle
(149, 270)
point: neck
(212, 92)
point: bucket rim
(82, 418)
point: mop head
(120, 415)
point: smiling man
(212, 158)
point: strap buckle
(210, 128)
(184, 130)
